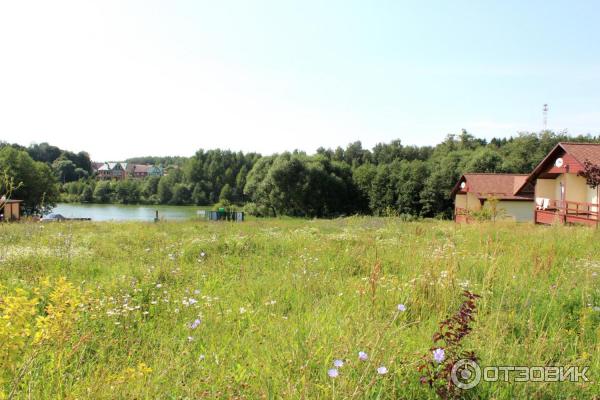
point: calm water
(118, 212)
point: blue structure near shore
(222, 215)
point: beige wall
(520, 211)
(460, 201)
(545, 188)
(577, 189)
(468, 201)
(473, 202)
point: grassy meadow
(262, 309)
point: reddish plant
(447, 350)
(591, 173)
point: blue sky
(123, 78)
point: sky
(121, 78)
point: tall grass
(280, 300)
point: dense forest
(390, 179)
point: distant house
(96, 165)
(122, 170)
(154, 170)
(561, 196)
(137, 170)
(112, 170)
(515, 197)
(10, 210)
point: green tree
(65, 170)
(37, 185)
(199, 196)
(484, 160)
(87, 194)
(226, 194)
(103, 192)
(181, 194)
(150, 187)
(164, 191)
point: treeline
(66, 165)
(35, 172)
(164, 161)
(389, 179)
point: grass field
(262, 309)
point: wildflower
(192, 301)
(362, 356)
(158, 285)
(202, 254)
(197, 291)
(401, 307)
(201, 358)
(242, 310)
(190, 338)
(382, 370)
(338, 363)
(333, 373)
(439, 355)
(195, 324)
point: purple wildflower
(362, 356)
(333, 373)
(401, 307)
(382, 370)
(439, 355)
(195, 324)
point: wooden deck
(568, 212)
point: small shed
(10, 210)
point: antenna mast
(545, 117)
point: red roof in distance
(501, 186)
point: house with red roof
(554, 192)
(561, 194)
(514, 197)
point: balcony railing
(562, 211)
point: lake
(121, 212)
